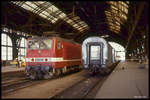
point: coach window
(58, 45)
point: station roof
(74, 20)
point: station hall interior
(123, 24)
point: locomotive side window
(58, 45)
(32, 44)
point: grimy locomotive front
(97, 55)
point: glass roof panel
(110, 23)
(123, 4)
(53, 21)
(42, 15)
(117, 23)
(62, 15)
(52, 8)
(113, 7)
(45, 13)
(30, 4)
(127, 2)
(114, 11)
(27, 7)
(80, 28)
(50, 17)
(116, 31)
(69, 21)
(40, 2)
(117, 14)
(111, 27)
(85, 26)
(114, 27)
(75, 25)
(76, 18)
(49, 11)
(81, 23)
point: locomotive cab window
(58, 45)
(40, 44)
(46, 44)
(33, 44)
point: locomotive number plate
(39, 60)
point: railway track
(12, 84)
(12, 81)
(85, 88)
(13, 74)
(82, 88)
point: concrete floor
(130, 82)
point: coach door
(95, 53)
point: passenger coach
(97, 55)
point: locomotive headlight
(32, 60)
(46, 59)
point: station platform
(128, 80)
(8, 69)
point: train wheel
(39, 75)
(33, 75)
(58, 72)
(27, 75)
(48, 75)
(77, 69)
(64, 70)
(68, 70)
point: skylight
(116, 15)
(48, 11)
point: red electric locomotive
(48, 56)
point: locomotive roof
(70, 41)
